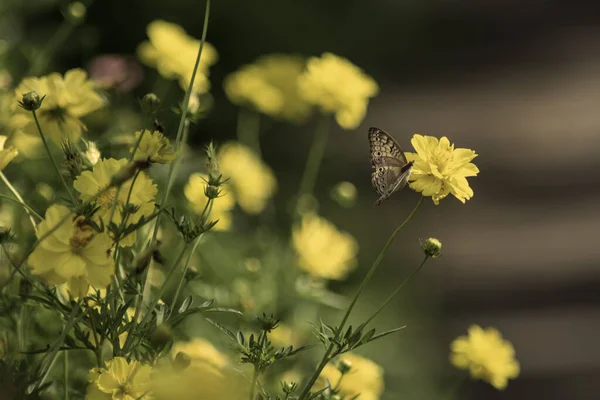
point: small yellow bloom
(270, 85)
(67, 100)
(252, 181)
(154, 147)
(173, 53)
(365, 378)
(221, 206)
(120, 380)
(486, 355)
(6, 155)
(89, 183)
(323, 251)
(337, 86)
(75, 253)
(439, 169)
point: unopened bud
(181, 361)
(432, 247)
(344, 193)
(212, 192)
(31, 101)
(150, 103)
(344, 366)
(75, 13)
(289, 387)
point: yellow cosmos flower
(6, 155)
(337, 86)
(89, 183)
(365, 378)
(323, 251)
(486, 355)
(173, 53)
(154, 147)
(252, 181)
(221, 207)
(270, 85)
(75, 253)
(120, 380)
(67, 100)
(439, 169)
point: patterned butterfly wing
(389, 163)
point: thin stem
(61, 34)
(315, 157)
(363, 284)
(248, 129)
(30, 211)
(398, 289)
(66, 373)
(62, 178)
(253, 384)
(185, 268)
(56, 347)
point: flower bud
(75, 13)
(344, 366)
(161, 336)
(181, 361)
(289, 387)
(344, 193)
(212, 192)
(432, 247)
(31, 101)
(150, 103)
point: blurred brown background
(519, 82)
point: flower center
(440, 157)
(81, 237)
(124, 390)
(106, 199)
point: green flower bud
(75, 13)
(150, 103)
(344, 193)
(212, 192)
(181, 361)
(344, 366)
(432, 247)
(289, 387)
(31, 101)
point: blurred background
(519, 82)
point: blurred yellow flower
(221, 207)
(89, 183)
(154, 147)
(173, 53)
(439, 169)
(251, 180)
(323, 251)
(201, 351)
(337, 86)
(75, 253)
(365, 378)
(6, 155)
(284, 336)
(270, 85)
(67, 100)
(120, 380)
(486, 355)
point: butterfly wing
(391, 169)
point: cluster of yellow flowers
(364, 378)
(173, 53)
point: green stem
(30, 211)
(363, 284)
(66, 374)
(315, 157)
(398, 289)
(61, 34)
(253, 384)
(56, 347)
(248, 129)
(62, 178)
(27, 208)
(185, 268)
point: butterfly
(391, 169)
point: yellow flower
(365, 378)
(337, 86)
(439, 169)
(252, 181)
(221, 207)
(75, 253)
(154, 147)
(486, 355)
(323, 251)
(6, 155)
(120, 380)
(270, 85)
(89, 183)
(201, 351)
(284, 336)
(173, 53)
(67, 100)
